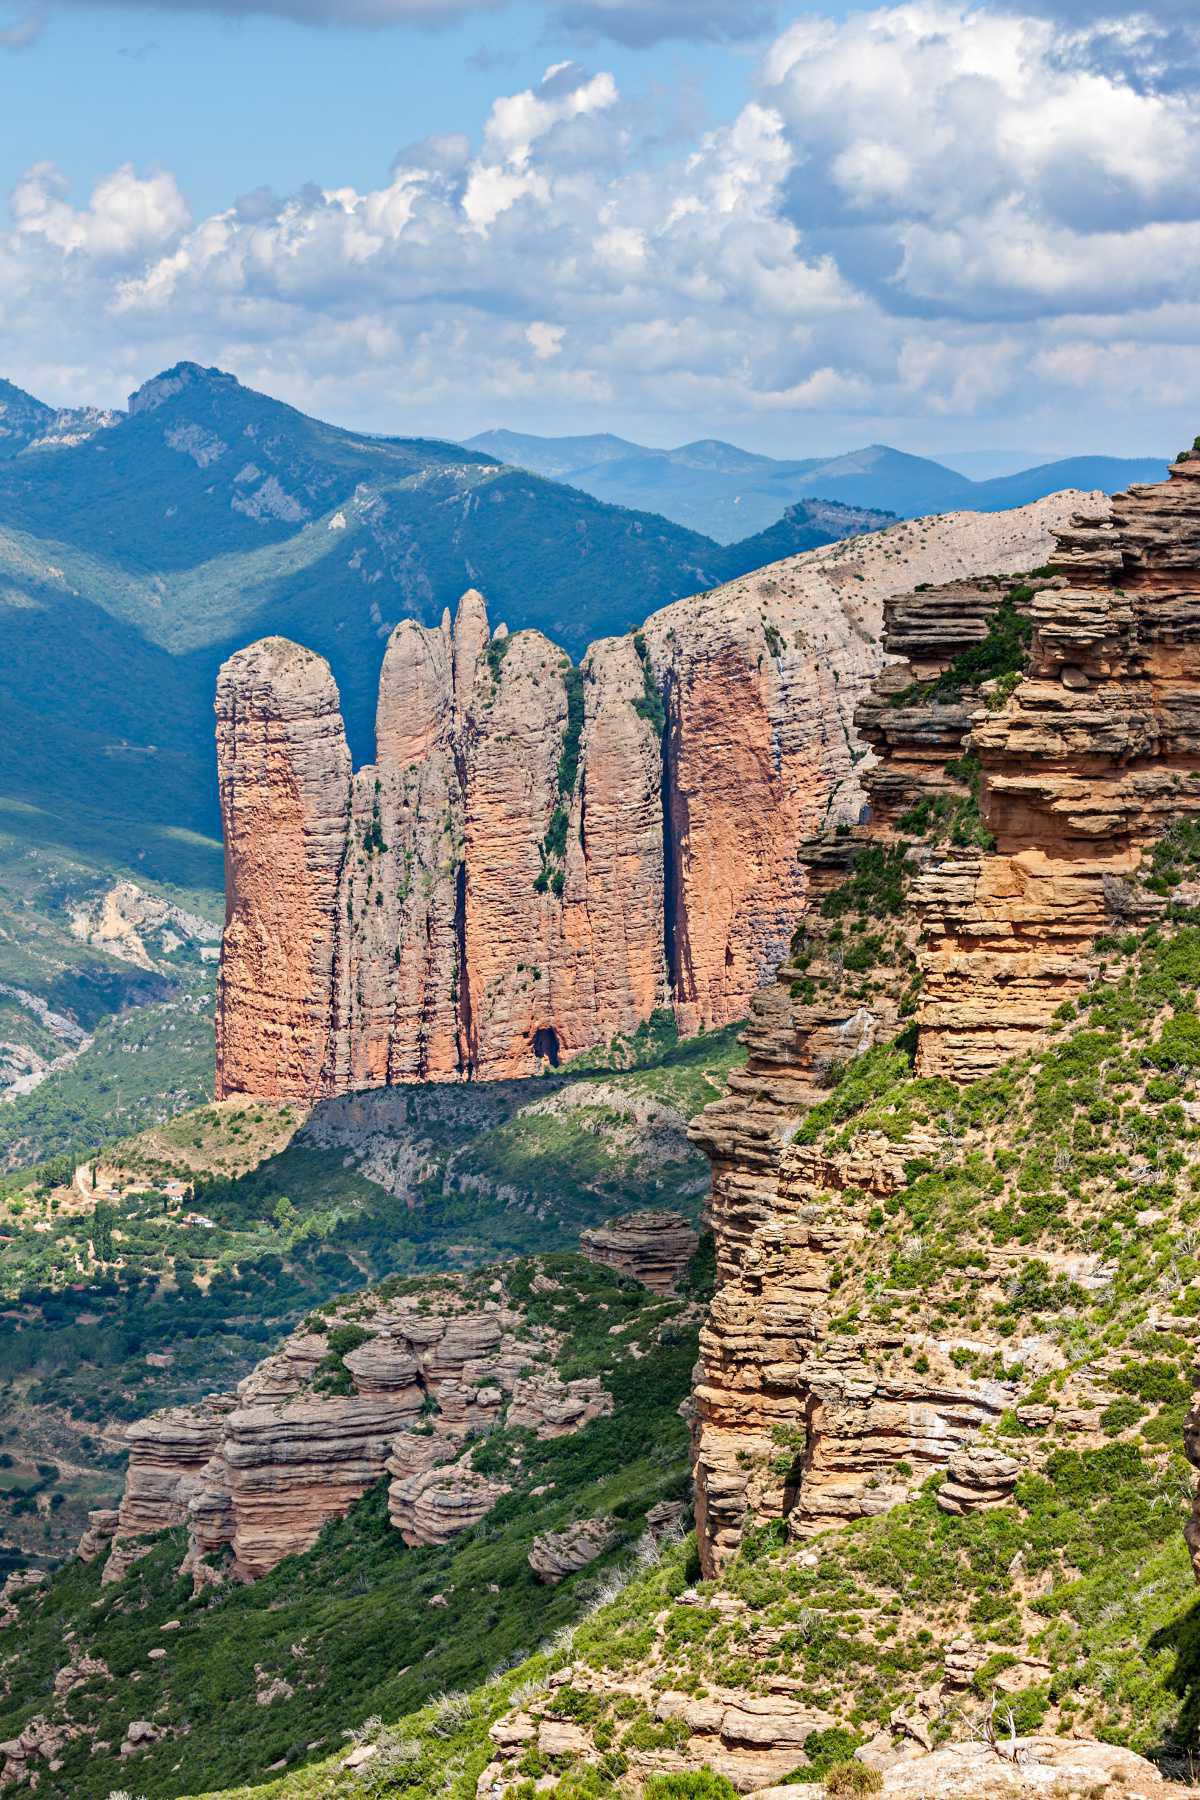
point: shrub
(703, 1784)
(826, 1750)
(853, 1777)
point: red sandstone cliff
(541, 857)
(284, 772)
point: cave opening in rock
(545, 1044)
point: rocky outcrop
(978, 1477)
(399, 1387)
(434, 1505)
(284, 772)
(282, 1470)
(101, 1529)
(1032, 741)
(551, 1408)
(1024, 1768)
(168, 1455)
(541, 857)
(34, 1752)
(140, 1734)
(654, 1248)
(80, 1670)
(556, 1554)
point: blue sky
(945, 224)
(231, 103)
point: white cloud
(517, 121)
(925, 210)
(128, 215)
(545, 340)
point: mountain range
(727, 492)
(138, 549)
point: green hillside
(1073, 1598)
(211, 515)
(361, 1625)
(113, 1310)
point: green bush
(704, 1784)
(825, 1750)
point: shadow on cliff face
(1179, 1754)
(433, 1175)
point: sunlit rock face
(542, 857)
(1065, 770)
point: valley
(159, 1268)
(381, 1402)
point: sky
(802, 226)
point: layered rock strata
(1005, 819)
(254, 1475)
(542, 857)
(654, 1248)
(1091, 759)
(168, 1455)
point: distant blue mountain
(728, 493)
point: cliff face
(1090, 759)
(398, 1386)
(541, 856)
(1033, 742)
(284, 772)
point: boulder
(557, 1554)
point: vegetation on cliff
(361, 1625)
(141, 1300)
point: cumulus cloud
(959, 161)
(926, 211)
(128, 215)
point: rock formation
(556, 1554)
(978, 1477)
(101, 1528)
(392, 1386)
(284, 772)
(541, 857)
(168, 1454)
(654, 1248)
(1011, 805)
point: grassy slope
(1079, 1591)
(350, 1626)
(114, 1314)
(1086, 1148)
